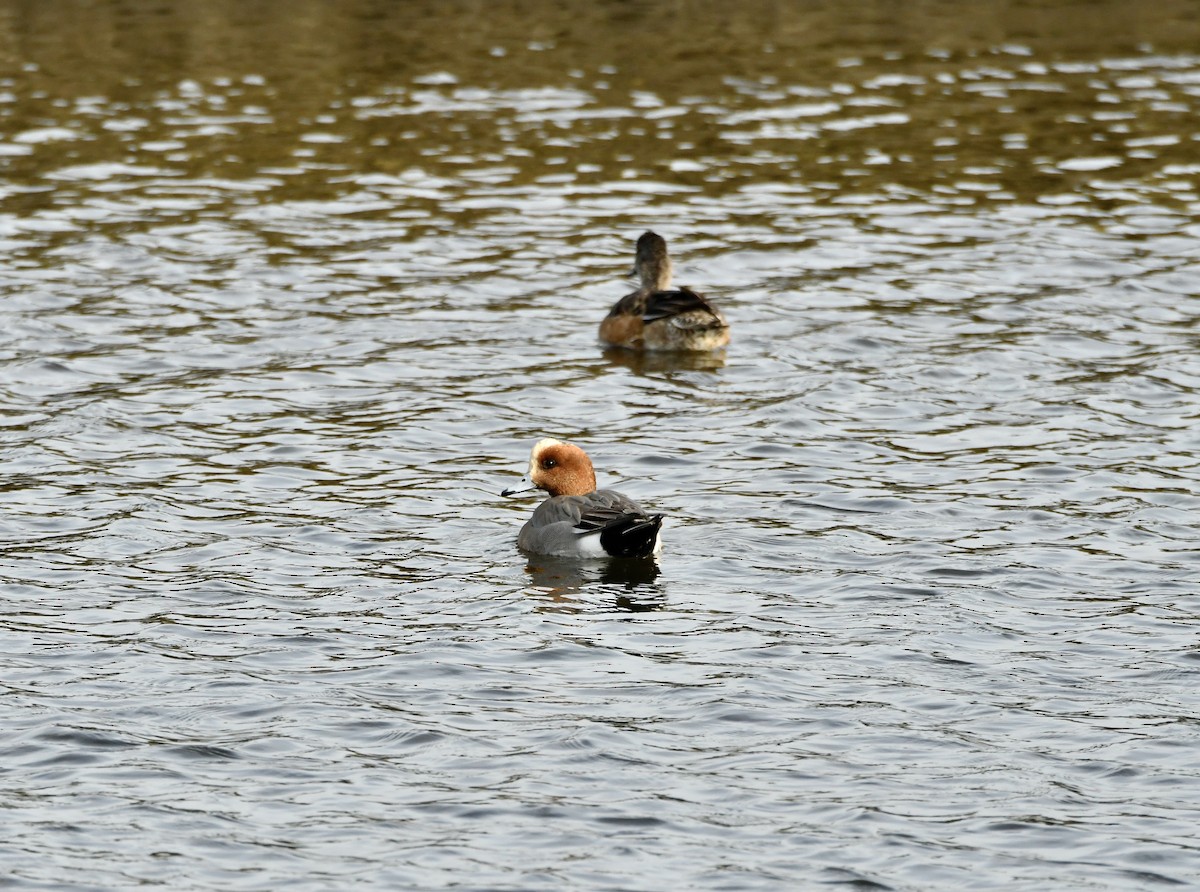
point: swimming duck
(578, 519)
(657, 318)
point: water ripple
(282, 318)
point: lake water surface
(289, 290)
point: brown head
(651, 264)
(562, 469)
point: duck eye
(548, 463)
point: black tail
(632, 536)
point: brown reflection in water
(697, 95)
(100, 46)
(642, 362)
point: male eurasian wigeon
(578, 519)
(657, 318)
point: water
(291, 289)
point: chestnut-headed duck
(579, 520)
(655, 317)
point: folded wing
(684, 306)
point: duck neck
(656, 274)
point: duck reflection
(641, 363)
(569, 583)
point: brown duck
(657, 317)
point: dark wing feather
(665, 304)
(625, 530)
(600, 518)
(632, 536)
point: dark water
(289, 290)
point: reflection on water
(365, 101)
(628, 583)
(289, 289)
(641, 362)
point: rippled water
(289, 291)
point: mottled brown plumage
(657, 318)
